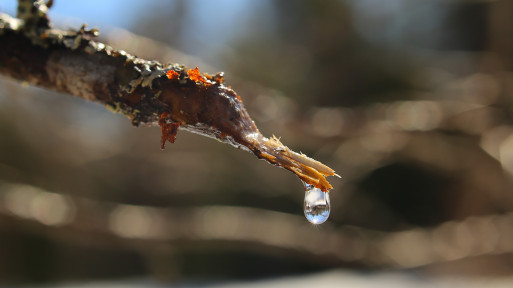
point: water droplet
(317, 205)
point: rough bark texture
(145, 91)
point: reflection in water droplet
(317, 205)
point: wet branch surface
(148, 92)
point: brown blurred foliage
(409, 101)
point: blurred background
(409, 101)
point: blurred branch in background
(420, 126)
(149, 230)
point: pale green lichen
(8, 22)
(73, 43)
(147, 73)
(26, 12)
(114, 108)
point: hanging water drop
(317, 205)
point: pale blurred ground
(410, 101)
(324, 279)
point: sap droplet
(317, 205)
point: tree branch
(148, 92)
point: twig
(145, 228)
(147, 92)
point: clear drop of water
(317, 205)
